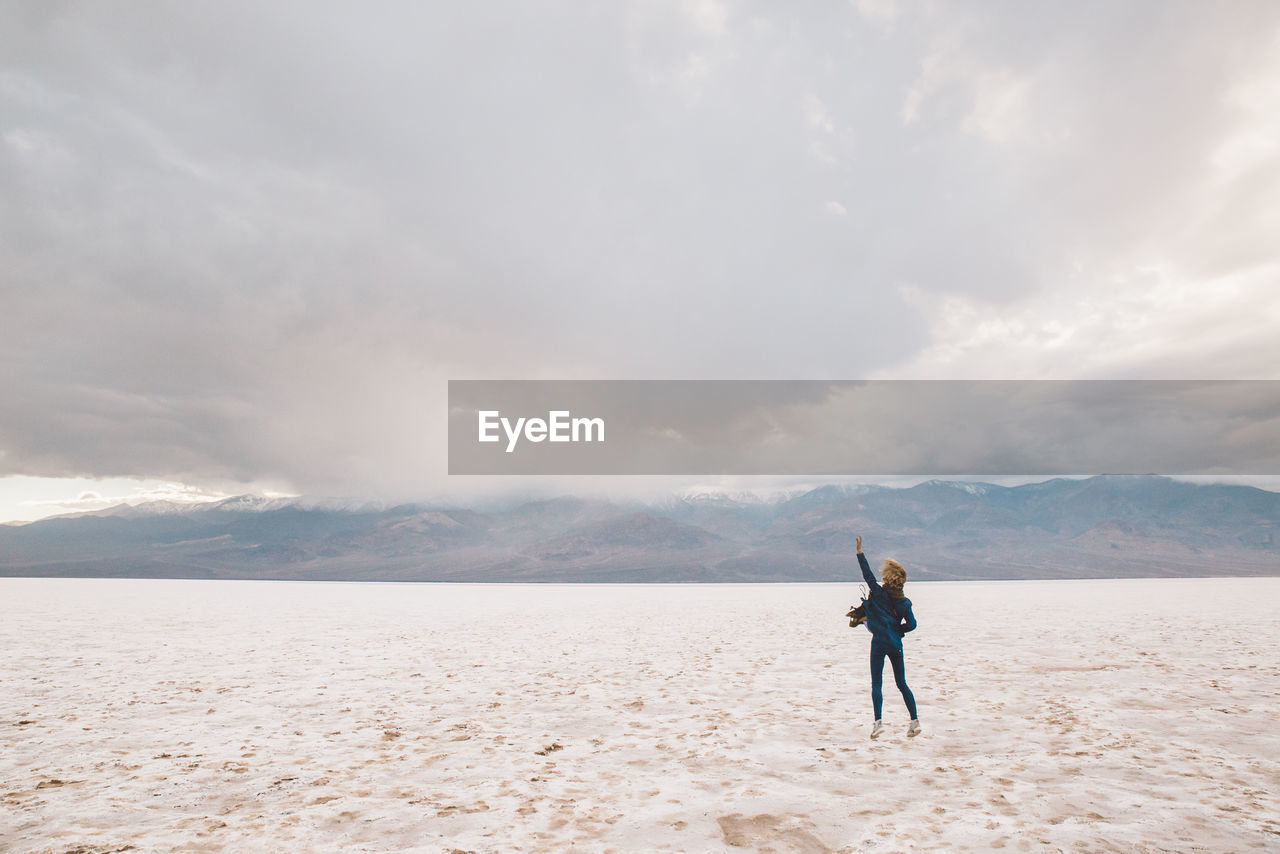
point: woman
(888, 618)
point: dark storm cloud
(253, 242)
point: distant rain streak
(557, 427)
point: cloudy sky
(243, 246)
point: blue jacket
(888, 619)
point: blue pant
(879, 651)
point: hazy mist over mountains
(1100, 527)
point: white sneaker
(877, 729)
(913, 728)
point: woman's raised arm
(867, 575)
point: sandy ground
(258, 716)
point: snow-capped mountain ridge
(1093, 527)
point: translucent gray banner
(885, 427)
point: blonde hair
(892, 574)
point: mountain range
(1099, 527)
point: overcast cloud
(245, 245)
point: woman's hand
(859, 544)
